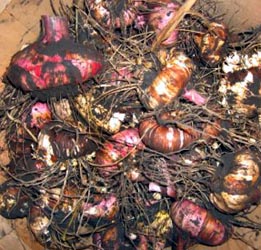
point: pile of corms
(121, 142)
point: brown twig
(23, 125)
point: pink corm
(160, 17)
(40, 115)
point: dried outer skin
(211, 44)
(101, 209)
(241, 88)
(21, 142)
(198, 222)
(129, 137)
(56, 143)
(39, 224)
(234, 203)
(60, 199)
(114, 14)
(14, 203)
(113, 237)
(107, 157)
(118, 147)
(237, 61)
(244, 174)
(165, 139)
(53, 61)
(238, 189)
(99, 115)
(26, 168)
(170, 138)
(170, 81)
(169, 190)
(20, 149)
(158, 228)
(108, 239)
(61, 204)
(152, 229)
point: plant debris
(135, 126)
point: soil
(241, 15)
